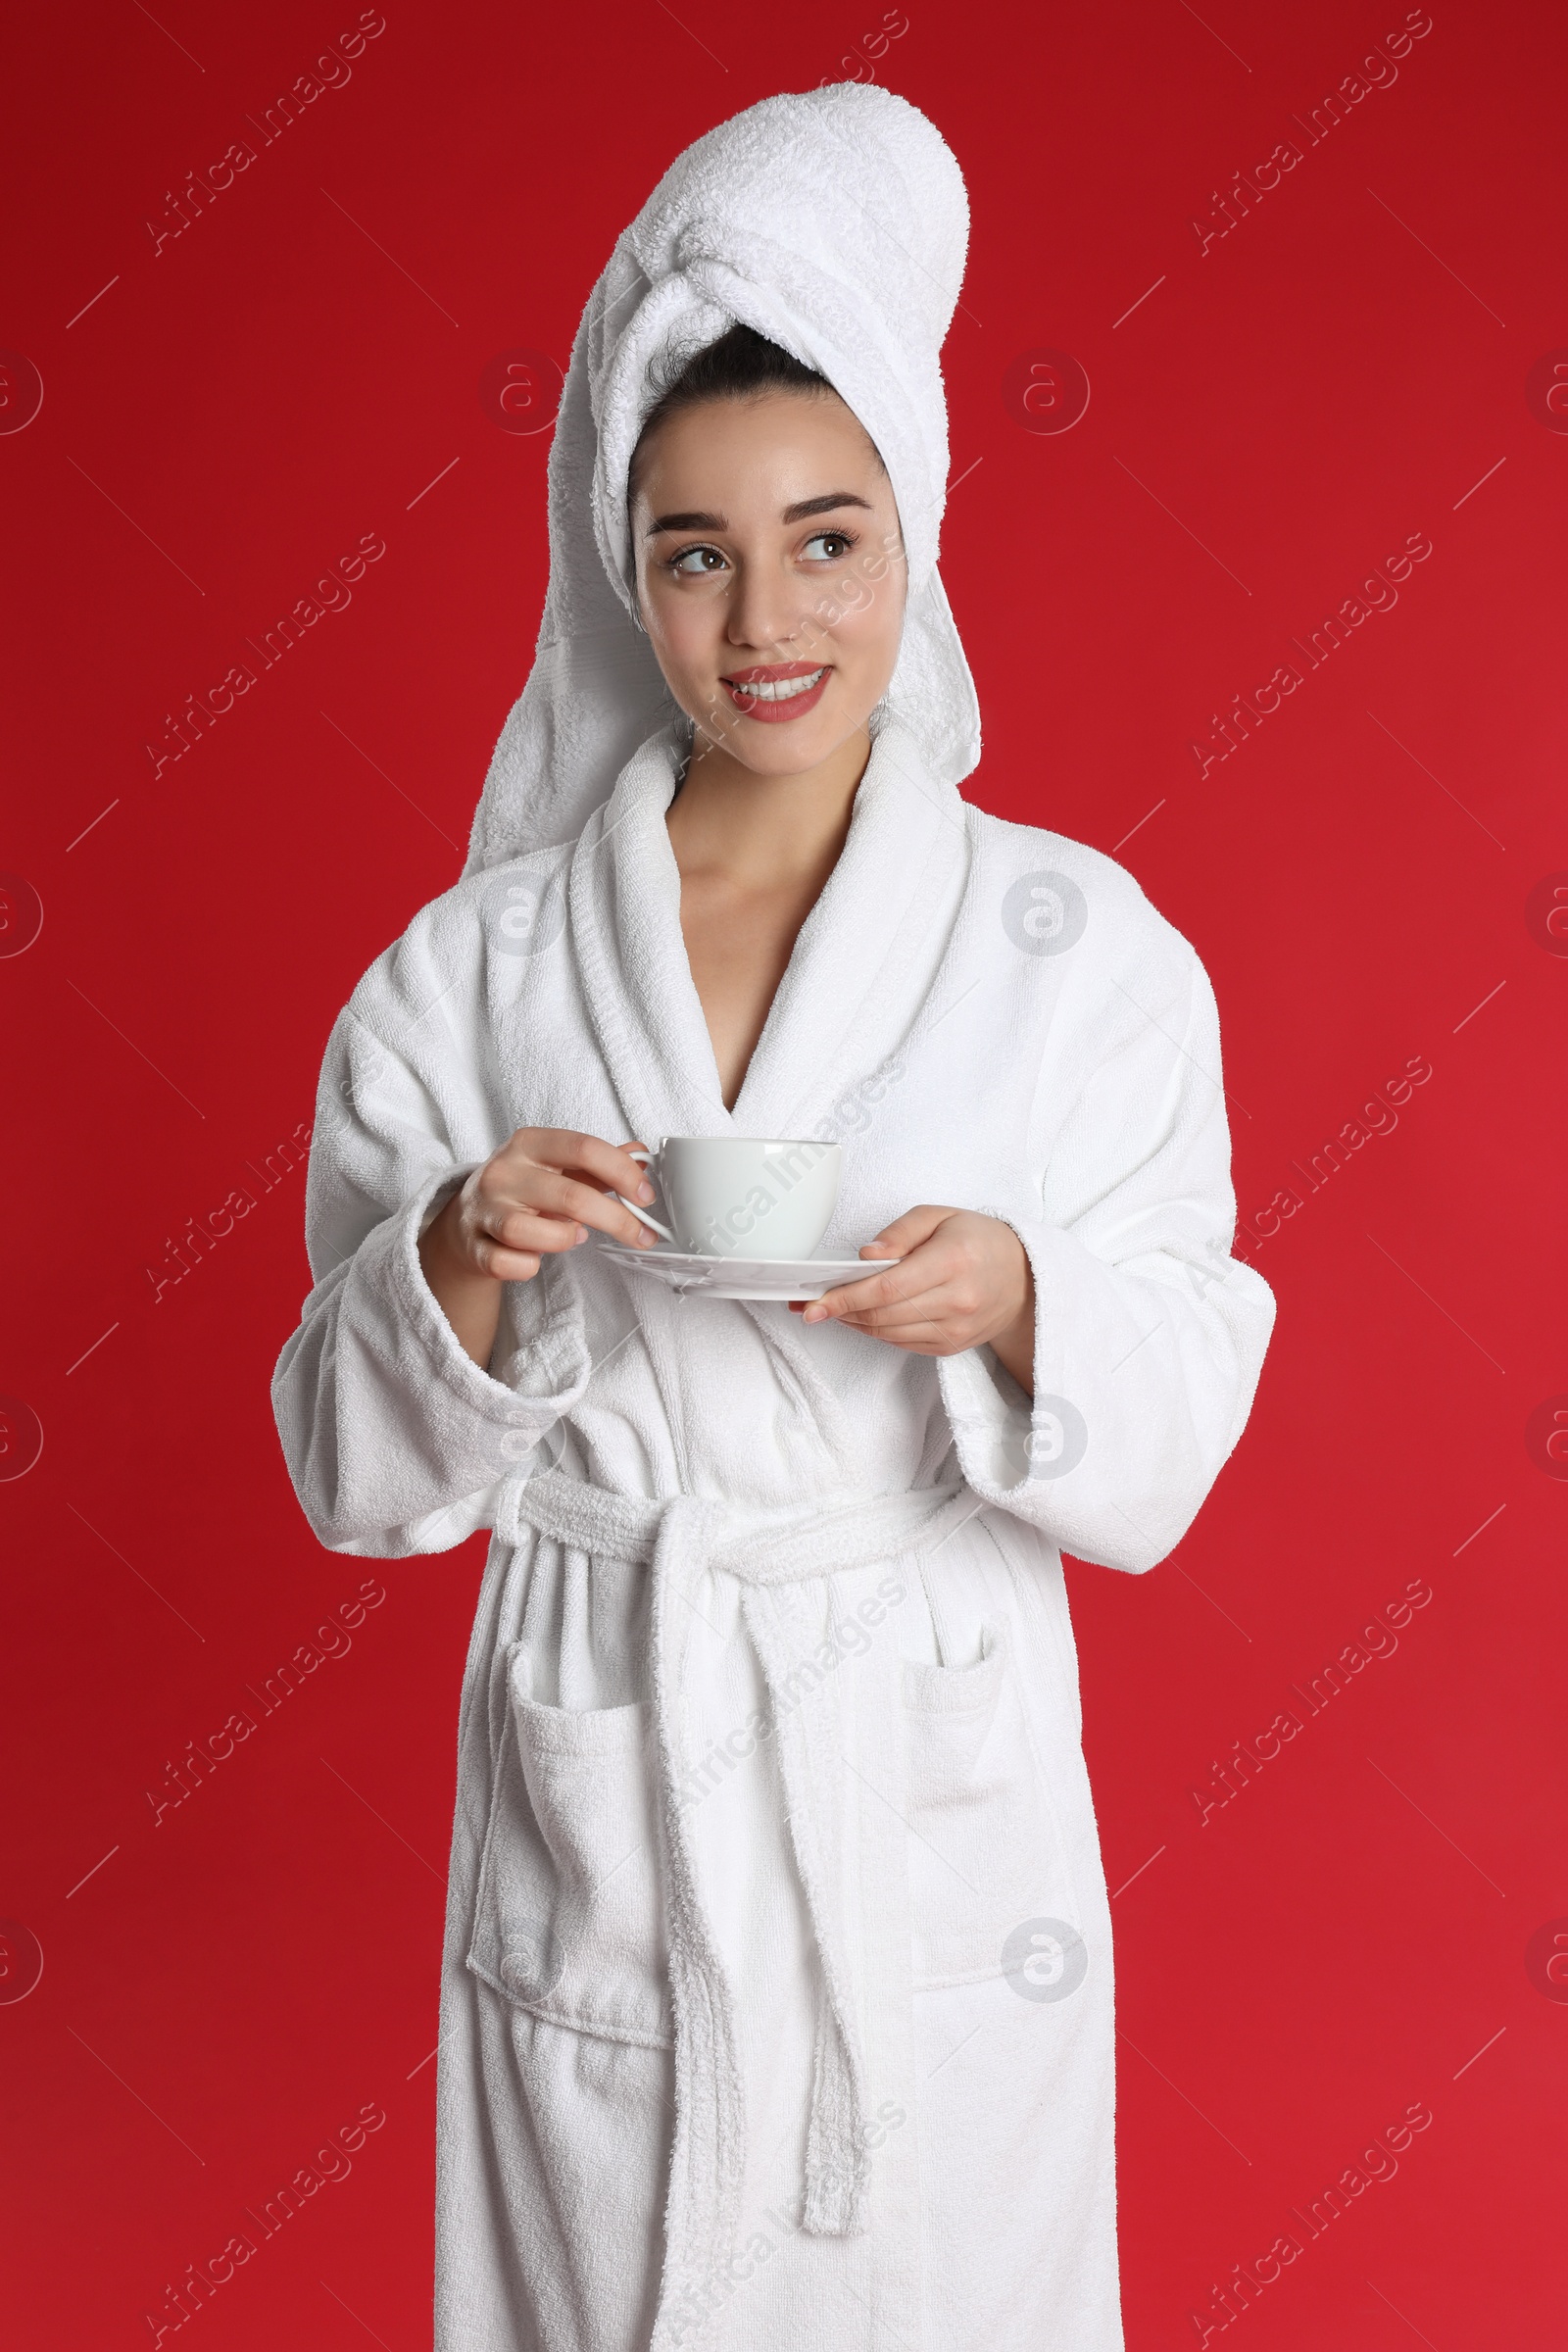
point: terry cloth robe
(777, 1992)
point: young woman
(777, 2004)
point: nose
(768, 612)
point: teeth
(779, 690)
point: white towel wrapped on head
(836, 223)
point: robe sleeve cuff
(545, 1377)
(999, 1438)
(1142, 1384)
(408, 1438)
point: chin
(788, 751)
(785, 750)
(791, 748)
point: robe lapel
(852, 986)
(624, 912)
(864, 957)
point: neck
(755, 828)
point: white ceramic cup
(728, 1196)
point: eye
(841, 540)
(691, 563)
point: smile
(783, 693)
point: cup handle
(663, 1232)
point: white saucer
(746, 1277)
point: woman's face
(769, 555)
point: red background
(1281, 413)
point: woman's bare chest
(738, 943)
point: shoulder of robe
(443, 955)
(1122, 930)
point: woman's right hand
(541, 1192)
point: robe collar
(843, 1002)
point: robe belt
(680, 1537)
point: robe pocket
(986, 1849)
(569, 1918)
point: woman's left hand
(962, 1280)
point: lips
(773, 692)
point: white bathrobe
(777, 1998)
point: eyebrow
(697, 520)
